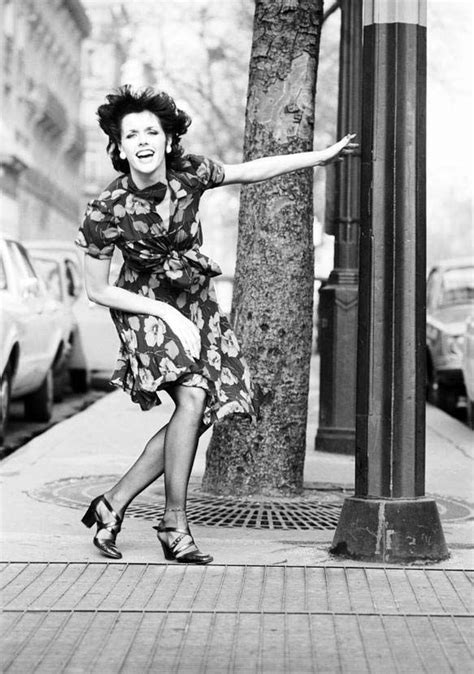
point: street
(20, 431)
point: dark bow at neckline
(157, 191)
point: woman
(173, 335)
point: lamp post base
(390, 531)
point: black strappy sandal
(176, 550)
(92, 516)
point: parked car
(468, 369)
(450, 302)
(95, 342)
(59, 287)
(32, 331)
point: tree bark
(273, 288)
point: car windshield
(51, 275)
(458, 286)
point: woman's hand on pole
(339, 150)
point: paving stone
(153, 617)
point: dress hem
(213, 413)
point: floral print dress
(162, 260)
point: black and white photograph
(236, 336)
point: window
(8, 18)
(432, 290)
(50, 272)
(458, 286)
(21, 261)
(73, 278)
(3, 276)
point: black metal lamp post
(389, 518)
(338, 297)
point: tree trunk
(273, 290)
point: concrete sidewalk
(273, 600)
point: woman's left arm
(270, 167)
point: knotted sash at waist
(182, 268)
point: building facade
(104, 55)
(41, 138)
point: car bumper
(450, 377)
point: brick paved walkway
(99, 617)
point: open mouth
(145, 154)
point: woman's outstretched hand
(339, 150)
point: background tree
(273, 291)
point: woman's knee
(191, 399)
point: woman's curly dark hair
(126, 100)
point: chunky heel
(182, 547)
(89, 518)
(166, 551)
(93, 516)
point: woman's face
(143, 142)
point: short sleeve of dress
(98, 233)
(209, 173)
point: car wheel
(79, 380)
(59, 384)
(5, 395)
(60, 377)
(447, 398)
(39, 404)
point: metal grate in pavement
(149, 617)
(318, 509)
(207, 511)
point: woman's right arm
(269, 167)
(100, 291)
